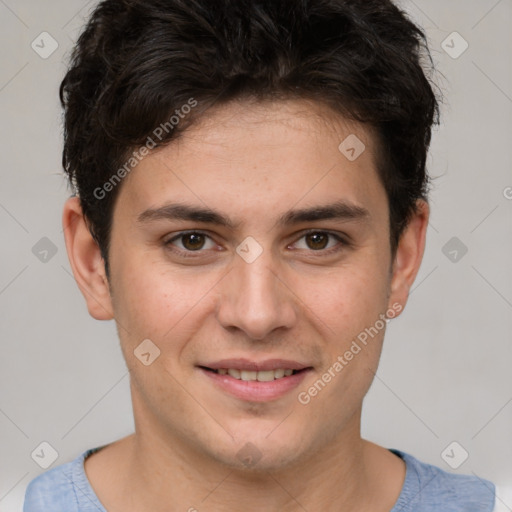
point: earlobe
(409, 254)
(86, 261)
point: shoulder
(428, 488)
(62, 489)
(53, 490)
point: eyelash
(342, 243)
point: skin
(253, 163)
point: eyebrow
(340, 210)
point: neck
(331, 477)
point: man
(251, 210)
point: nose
(255, 299)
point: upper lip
(248, 365)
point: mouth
(256, 382)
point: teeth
(278, 373)
(266, 376)
(234, 373)
(261, 376)
(247, 375)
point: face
(256, 258)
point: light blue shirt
(426, 489)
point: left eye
(317, 241)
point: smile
(255, 382)
(261, 376)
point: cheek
(346, 301)
(151, 301)
(352, 334)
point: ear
(86, 261)
(409, 254)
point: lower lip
(255, 391)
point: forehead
(270, 155)
(300, 127)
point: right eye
(191, 241)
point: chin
(254, 459)
(261, 452)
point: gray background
(445, 373)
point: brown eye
(317, 241)
(193, 241)
(323, 242)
